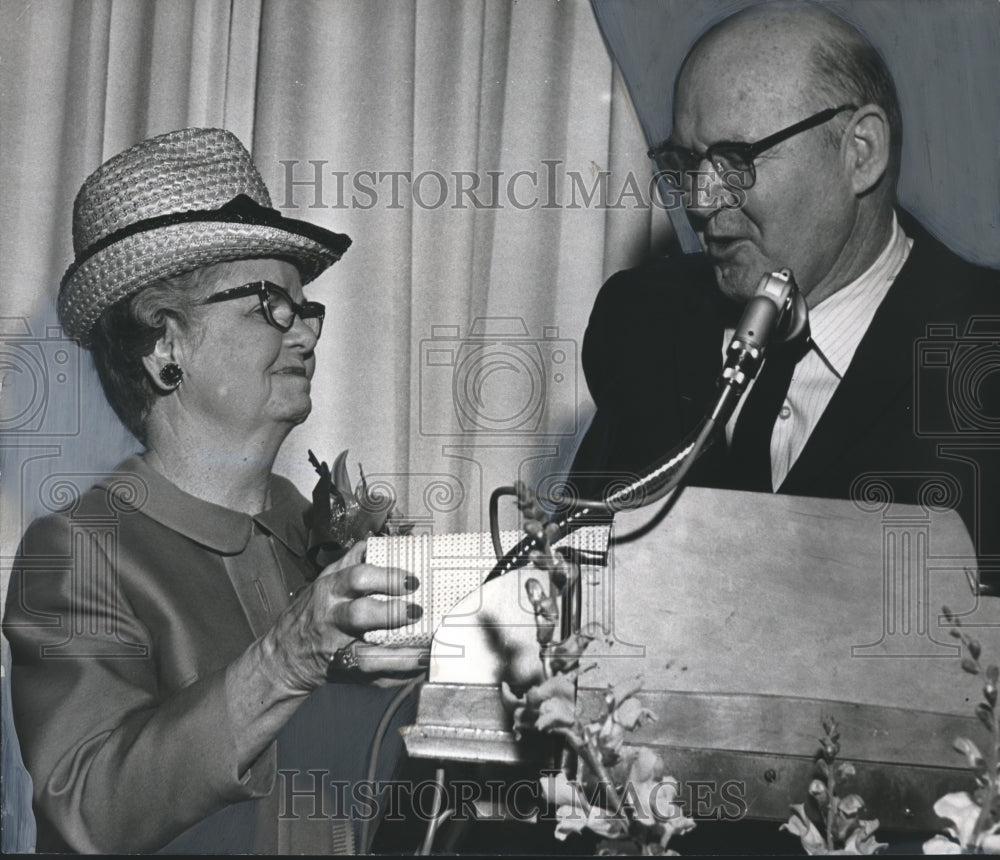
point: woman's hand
(333, 611)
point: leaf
(565, 657)
(647, 766)
(845, 770)
(971, 752)
(631, 714)
(845, 819)
(941, 845)
(556, 714)
(993, 673)
(509, 698)
(862, 839)
(610, 738)
(962, 811)
(800, 825)
(556, 687)
(341, 479)
(969, 665)
(975, 648)
(558, 790)
(985, 714)
(989, 841)
(618, 693)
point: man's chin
(735, 282)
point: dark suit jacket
(921, 397)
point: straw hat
(171, 204)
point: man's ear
(867, 147)
(166, 351)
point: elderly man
(787, 140)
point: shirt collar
(838, 323)
(221, 529)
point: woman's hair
(128, 331)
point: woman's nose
(301, 333)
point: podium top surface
(745, 593)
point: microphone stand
(777, 309)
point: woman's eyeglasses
(278, 308)
(733, 160)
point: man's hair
(128, 331)
(847, 69)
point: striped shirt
(837, 325)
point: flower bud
(534, 529)
(535, 592)
(818, 791)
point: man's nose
(706, 191)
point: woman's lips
(296, 370)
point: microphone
(776, 313)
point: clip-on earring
(171, 375)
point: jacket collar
(220, 529)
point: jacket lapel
(882, 368)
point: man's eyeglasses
(733, 160)
(278, 308)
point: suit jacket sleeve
(651, 353)
(116, 764)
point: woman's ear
(163, 365)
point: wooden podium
(751, 617)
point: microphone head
(776, 313)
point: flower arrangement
(828, 822)
(621, 792)
(342, 515)
(974, 816)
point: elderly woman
(170, 637)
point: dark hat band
(240, 210)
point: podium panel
(751, 618)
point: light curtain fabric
(428, 91)
(520, 97)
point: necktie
(750, 452)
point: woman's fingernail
(414, 611)
(411, 582)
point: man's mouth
(721, 247)
(294, 370)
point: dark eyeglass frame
(305, 311)
(734, 156)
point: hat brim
(135, 261)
